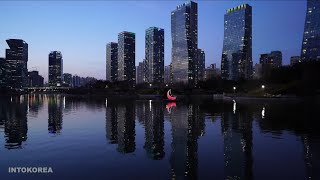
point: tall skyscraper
(154, 55)
(16, 63)
(311, 37)
(55, 69)
(236, 61)
(112, 62)
(184, 32)
(126, 57)
(2, 73)
(200, 66)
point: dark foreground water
(95, 138)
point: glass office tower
(16, 64)
(154, 55)
(311, 37)
(55, 69)
(112, 62)
(184, 32)
(236, 61)
(126, 57)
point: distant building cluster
(267, 63)
(14, 72)
(212, 72)
(187, 62)
(310, 50)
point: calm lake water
(99, 138)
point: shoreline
(223, 97)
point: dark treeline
(302, 79)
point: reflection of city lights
(234, 106)
(64, 102)
(28, 103)
(106, 102)
(263, 112)
(11, 99)
(21, 99)
(150, 104)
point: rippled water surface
(99, 138)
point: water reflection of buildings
(311, 157)
(126, 127)
(187, 125)
(13, 115)
(55, 114)
(150, 113)
(111, 124)
(236, 128)
(35, 104)
(120, 126)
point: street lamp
(234, 89)
(166, 85)
(150, 85)
(262, 86)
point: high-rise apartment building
(154, 55)
(112, 62)
(126, 58)
(55, 69)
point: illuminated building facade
(55, 69)
(184, 32)
(236, 61)
(311, 37)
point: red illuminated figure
(170, 105)
(170, 97)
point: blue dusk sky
(81, 29)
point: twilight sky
(81, 29)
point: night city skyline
(82, 38)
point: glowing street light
(150, 85)
(234, 89)
(262, 86)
